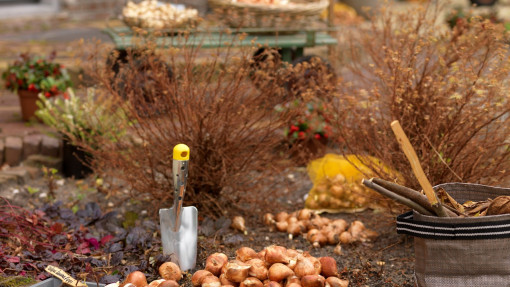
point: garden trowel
(179, 224)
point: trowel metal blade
(180, 245)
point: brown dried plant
(205, 99)
(448, 88)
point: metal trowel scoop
(179, 224)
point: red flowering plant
(37, 74)
(310, 123)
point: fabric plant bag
(471, 251)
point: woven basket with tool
(461, 231)
(281, 15)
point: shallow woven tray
(138, 23)
(248, 15)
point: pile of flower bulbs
(336, 193)
(170, 275)
(274, 266)
(151, 14)
(318, 230)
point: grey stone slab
(31, 145)
(50, 146)
(13, 150)
(7, 180)
(38, 161)
(21, 174)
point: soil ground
(387, 261)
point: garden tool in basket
(179, 224)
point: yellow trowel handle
(180, 176)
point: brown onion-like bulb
(369, 234)
(294, 228)
(346, 237)
(313, 281)
(328, 266)
(269, 219)
(278, 271)
(292, 279)
(215, 262)
(258, 269)
(282, 226)
(356, 229)
(338, 250)
(170, 271)
(292, 263)
(317, 222)
(224, 281)
(269, 283)
(251, 282)
(156, 283)
(236, 272)
(136, 278)
(262, 254)
(292, 253)
(292, 219)
(305, 214)
(316, 265)
(198, 276)
(311, 233)
(304, 266)
(333, 237)
(318, 239)
(337, 282)
(339, 225)
(211, 281)
(246, 253)
(169, 283)
(238, 223)
(276, 254)
(281, 216)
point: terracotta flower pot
(27, 100)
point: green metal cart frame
(291, 44)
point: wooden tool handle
(415, 163)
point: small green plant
(38, 74)
(32, 190)
(51, 176)
(81, 119)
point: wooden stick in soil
(417, 169)
(400, 199)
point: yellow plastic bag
(337, 184)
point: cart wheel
(311, 72)
(264, 65)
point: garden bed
(388, 261)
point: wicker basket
(294, 15)
(170, 25)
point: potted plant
(30, 75)
(308, 133)
(80, 121)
